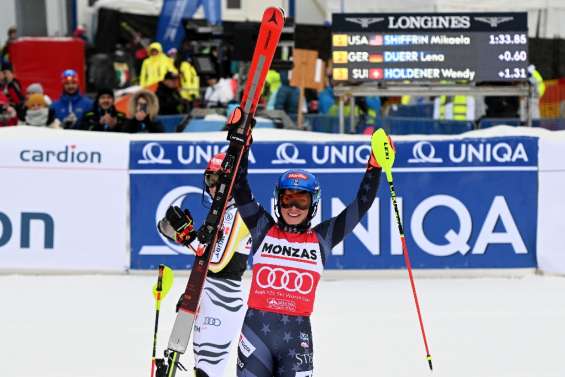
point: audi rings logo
(154, 153)
(289, 280)
(424, 151)
(287, 153)
(211, 321)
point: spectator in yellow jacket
(155, 66)
(189, 83)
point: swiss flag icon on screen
(376, 73)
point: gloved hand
(178, 226)
(234, 122)
(372, 163)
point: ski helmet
(215, 163)
(299, 180)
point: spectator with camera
(37, 113)
(143, 109)
(104, 116)
(71, 106)
(8, 115)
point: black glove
(234, 122)
(178, 226)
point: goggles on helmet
(298, 199)
(211, 179)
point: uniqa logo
(69, 154)
(487, 152)
(154, 153)
(424, 152)
(287, 153)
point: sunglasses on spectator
(300, 200)
(211, 179)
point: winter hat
(103, 91)
(69, 75)
(171, 76)
(34, 88)
(36, 99)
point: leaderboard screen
(469, 47)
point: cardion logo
(154, 153)
(281, 279)
(287, 153)
(424, 151)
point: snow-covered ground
(82, 326)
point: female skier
(288, 259)
(222, 307)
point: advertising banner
(466, 203)
(64, 201)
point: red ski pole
(384, 153)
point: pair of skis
(240, 125)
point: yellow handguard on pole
(383, 151)
(163, 285)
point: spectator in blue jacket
(287, 96)
(71, 106)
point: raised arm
(333, 231)
(255, 217)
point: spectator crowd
(170, 85)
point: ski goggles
(299, 199)
(211, 179)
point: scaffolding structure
(521, 89)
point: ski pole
(384, 153)
(160, 290)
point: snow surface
(102, 325)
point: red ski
(240, 125)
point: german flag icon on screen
(376, 73)
(340, 74)
(376, 58)
(339, 40)
(339, 57)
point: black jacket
(170, 101)
(91, 120)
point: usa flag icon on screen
(376, 40)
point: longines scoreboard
(470, 47)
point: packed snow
(102, 325)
